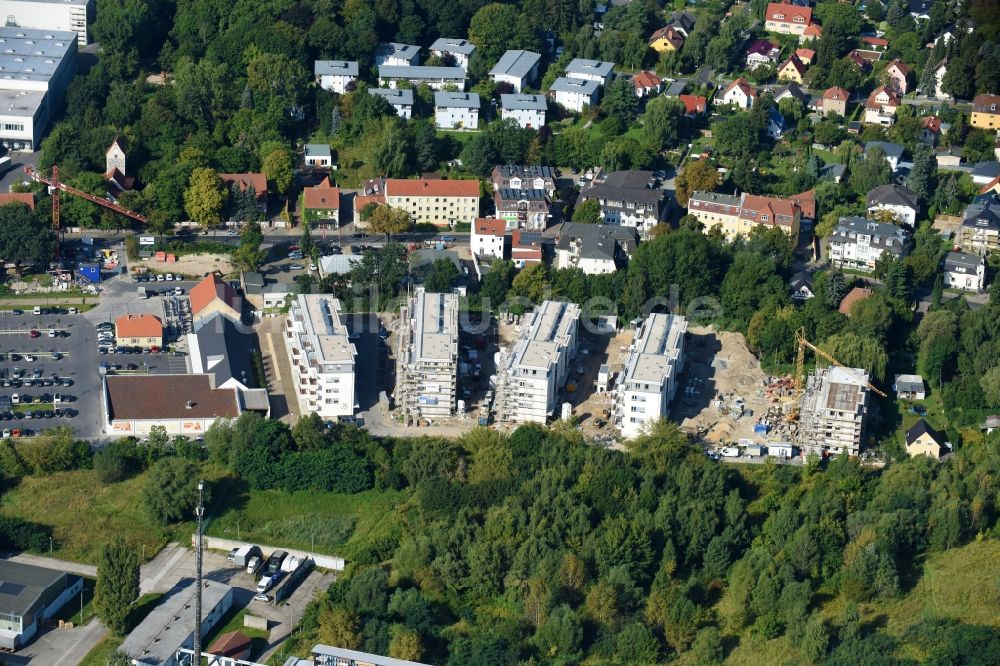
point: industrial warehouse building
(62, 15)
(37, 67)
(427, 358)
(29, 596)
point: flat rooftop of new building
(656, 349)
(436, 337)
(552, 321)
(535, 353)
(323, 320)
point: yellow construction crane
(800, 360)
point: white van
(37, 310)
(264, 584)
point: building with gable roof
(518, 68)
(439, 202)
(859, 243)
(666, 39)
(787, 19)
(739, 93)
(321, 203)
(336, 75)
(460, 50)
(898, 200)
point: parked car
(34, 334)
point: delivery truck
(241, 557)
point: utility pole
(199, 512)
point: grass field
(957, 584)
(325, 522)
(83, 514)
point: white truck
(731, 452)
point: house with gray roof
(676, 89)
(459, 49)
(518, 68)
(859, 243)
(984, 172)
(901, 201)
(436, 78)
(575, 94)
(909, 387)
(528, 111)
(29, 597)
(456, 110)
(401, 55)
(590, 70)
(401, 99)
(335, 75)
(594, 248)
(980, 230)
(893, 152)
(628, 199)
(964, 271)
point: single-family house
(761, 52)
(525, 247)
(980, 230)
(518, 68)
(909, 387)
(950, 156)
(436, 78)
(792, 90)
(835, 101)
(859, 243)
(893, 152)
(739, 93)
(140, 330)
(901, 201)
(456, 110)
(575, 94)
(986, 112)
(812, 32)
(805, 55)
(880, 107)
(693, 105)
(931, 129)
(395, 54)
(590, 70)
(487, 237)
(683, 21)
(876, 43)
(775, 123)
(401, 99)
(984, 172)
(528, 111)
(457, 49)
(336, 75)
(647, 84)
(801, 287)
(964, 271)
(897, 73)
(922, 440)
(248, 181)
(787, 19)
(321, 204)
(852, 297)
(792, 69)
(318, 155)
(666, 39)
(676, 88)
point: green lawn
(329, 523)
(955, 584)
(233, 621)
(826, 155)
(85, 514)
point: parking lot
(61, 359)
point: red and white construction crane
(56, 186)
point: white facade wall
(575, 101)
(321, 356)
(525, 118)
(335, 83)
(68, 15)
(486, 244)
(452, 117)
(906, 215)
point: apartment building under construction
(530, 372)
(427, 356)
(832, 411)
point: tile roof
(743, 85)
(787, 13)
(146, 397)
(852, 297)
(794, 61)
(693, 104)
(875, 41)
(138, 326)
(26, 198)
(986, 104)
(360, 201)
(807, 203)
(894, 195)
(813, 30)
(670, 34)
(322, 197)
(646, 79)
(405, 187)
(900, 66)
(245, 180)
(209, 289)
(490, 226)
(805, 55)
(230, 644)
(873, 103)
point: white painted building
(61, 15)
(436, 78)
(590, 70)
(401, 100)
(37, 67)
(427, 356)
(648, 382)
(528, 111)
(901, 201)
(317, 155)
(575, 94)
(456, 110)
(859, 243)
(964, 271)
(459, 49)
(321, 356)
(335, 75)
(518, 68)
(531, 371)
(487, 237)
(401, 55)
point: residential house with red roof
(835, 101)
(525, 247)
(693, 105)
(739, 215)
(213, 294)
(141, 330)
(897, 73)
(647, 84)
(442, 203)
(805, 55)
(812, 31)
(666, 39)
(488, 237)
(245, 181)
(321, 204)
(792, 70)
(739, 93)
(26, 198)
(787, 19)
(880, 107)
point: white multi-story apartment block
(427, 356)
(530, 372)
(321, 355)
(487, 237)
(440, 202)
(648, 383)
(436, 78)
(335, 75)
(575, 94)
(528, 111)
(590, 70)
(859, 243)
(401, 99)
(456, 110)
(516, 67)
(459, 49)
(63, 15)
(401, 55)
(832, 411)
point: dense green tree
(588, 212)
(24, 239)
(171, 491)
(117, 587)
